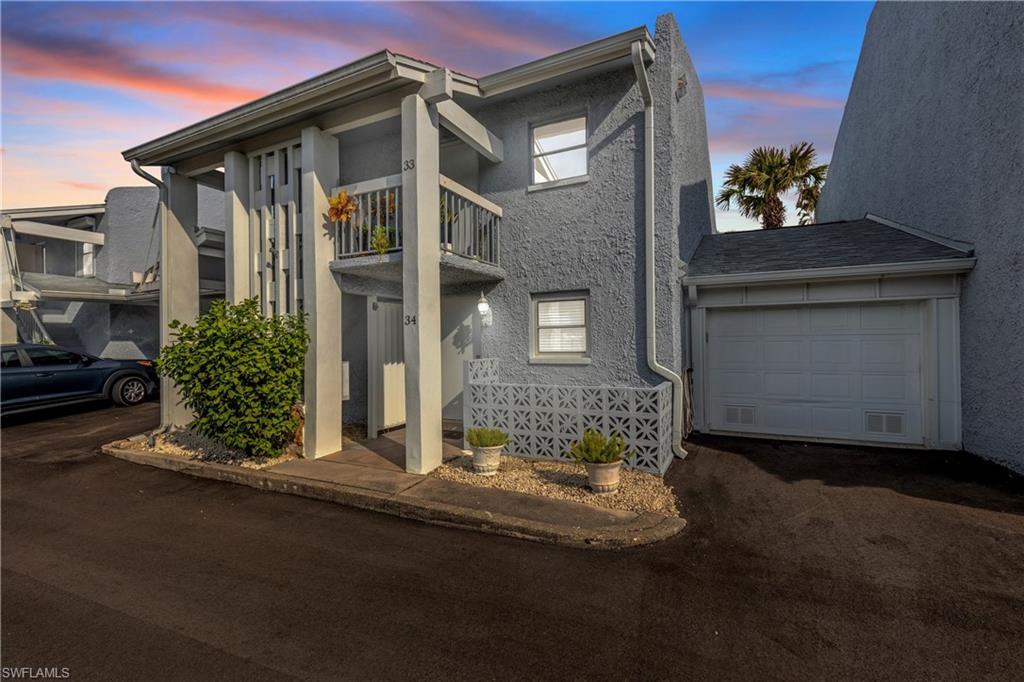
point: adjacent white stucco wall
(933, 136)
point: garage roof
(867, 241)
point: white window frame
(85, 260)
(572, 358)
(561, 182)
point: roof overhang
(611, 49)
(48, 231)
(55, 212)
(376, 74)
(930, 267)
(369, 75)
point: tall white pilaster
(321, 295)
(421, 284)
(237, 252)
(179, 279)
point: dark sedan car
(35, 376)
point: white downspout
(649, 279)
(162, 207)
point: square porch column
(179, 279)
(237, 253)
(421, 284)
(321, 295)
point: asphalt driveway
(799, 563)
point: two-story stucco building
(532, 222)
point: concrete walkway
(370, 475)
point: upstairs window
(561, 327)
(559, 151)
(85, 263)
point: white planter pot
(487, 460)
(603, 478)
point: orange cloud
(86, 186)
(746, 93)
(82, 60)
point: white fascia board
(469, 130)
(582, 57)
(950, 265)
(114, 296)
(58, 232)
(413, 69)
(55, 211)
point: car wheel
(129, 391)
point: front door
(386, 364)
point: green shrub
(486, 438)
(597, 448)
(241, 373)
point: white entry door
(831, 372)
(386, 364)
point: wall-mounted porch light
(483, 306)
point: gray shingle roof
(824, 245)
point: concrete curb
(646, 529)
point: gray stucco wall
(370, 152)
(683, 194)
(129, 225)
(133, 331)
(590, 236)
(210, 207)
(933, 136)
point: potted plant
(603, 457)
(487, 445)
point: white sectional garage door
(835, 372)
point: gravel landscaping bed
(639, 492)
(192, 445)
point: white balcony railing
(470, 225)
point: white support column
(421, 285)
(321, 295)
(237, 253)
(179, 279)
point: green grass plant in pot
(603, 457)
(487, 445)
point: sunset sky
(84, 81)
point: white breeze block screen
(542, 421)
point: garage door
(835, 372)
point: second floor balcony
(369, 243)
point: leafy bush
(241, 374)
(597, 448)
(486, 438)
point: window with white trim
(85, 265)
(561, 326)
(559, 150)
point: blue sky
(82, 81)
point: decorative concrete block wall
(542, 420)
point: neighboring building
(554, 191)
(84, 277)
(933, 136)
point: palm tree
(768, 173)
